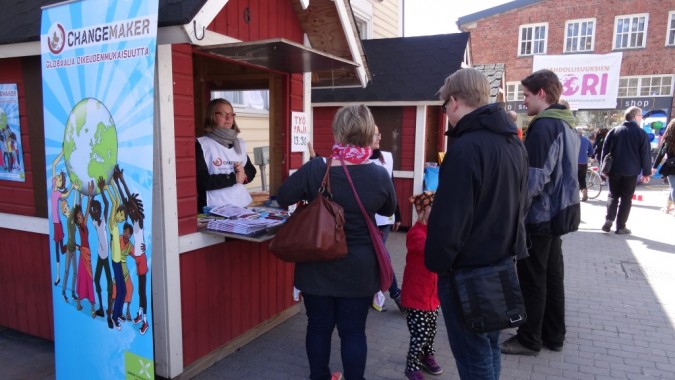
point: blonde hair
(354, 125)
(469, 84)
(210, 115)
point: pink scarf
(352, 153)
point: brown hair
(669, 137)
(544, 80)
(210, 115)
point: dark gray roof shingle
(21, 18)
(404, 69)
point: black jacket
(477, 215)
(630, 150)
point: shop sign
(645, 102)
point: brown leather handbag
(315, 231)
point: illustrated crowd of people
(10, 159)
(120, 206)
(523, 191)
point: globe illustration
(90, 144)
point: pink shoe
(336, 376)
(429, 364)
(414, 375)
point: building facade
(643, 31)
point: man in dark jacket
(630, 150)
(478, 212)
(553, 194)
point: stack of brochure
(241, 226)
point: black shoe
(397, 301)
(74, 296)
(623, 231)
(513, 347)
(553, 346)
(608, 225)
(110, 322)
(63, 294)
(100, 313)
(56, 283)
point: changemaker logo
(138, 367)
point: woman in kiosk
(222, 164)
(339, 293)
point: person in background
(223, 167)
(554, 210)
(630, 149)
(339, 293)
(477, 218)
(668, 150)
(514, 118)
(585, 151)
(386, 223)
(419, 295)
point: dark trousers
(121, 291)
(349, 315)
(581, 176)
(142, 298)
(541, 277)
(621, 190)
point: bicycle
(593, 182)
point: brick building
(644, 31)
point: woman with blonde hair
(668, 150)
(223, 167)
(339, 293)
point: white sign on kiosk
(299, 131)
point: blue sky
(428, 17)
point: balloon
(650, 136)
(662, 131)
(657, 125)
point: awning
(290, 57)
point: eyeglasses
(443, 106)
(378, 136)
(226, 114)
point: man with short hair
(631, 155)
(479, 209)
(553, 195)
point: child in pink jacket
(419, 295)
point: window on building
(579, 35)
(630, 31)
(670, 30)
(363, 16)
(532, 39)
(655, 85)
(514, 92)
(246, 101)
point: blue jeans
(324, 313)
(477, 355)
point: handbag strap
(325, 188)
(358, 200)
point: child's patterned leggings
(422, 327)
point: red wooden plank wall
(408, 138)
(25, 283)
(268, 19)
(17, 197)
(228, 289)
(184, 130)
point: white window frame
(363, 15)
(670, 29)
(631, 32)
(579, 47)
(533, 41)
(514, 88)
(642, 83)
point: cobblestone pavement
(620, 293)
